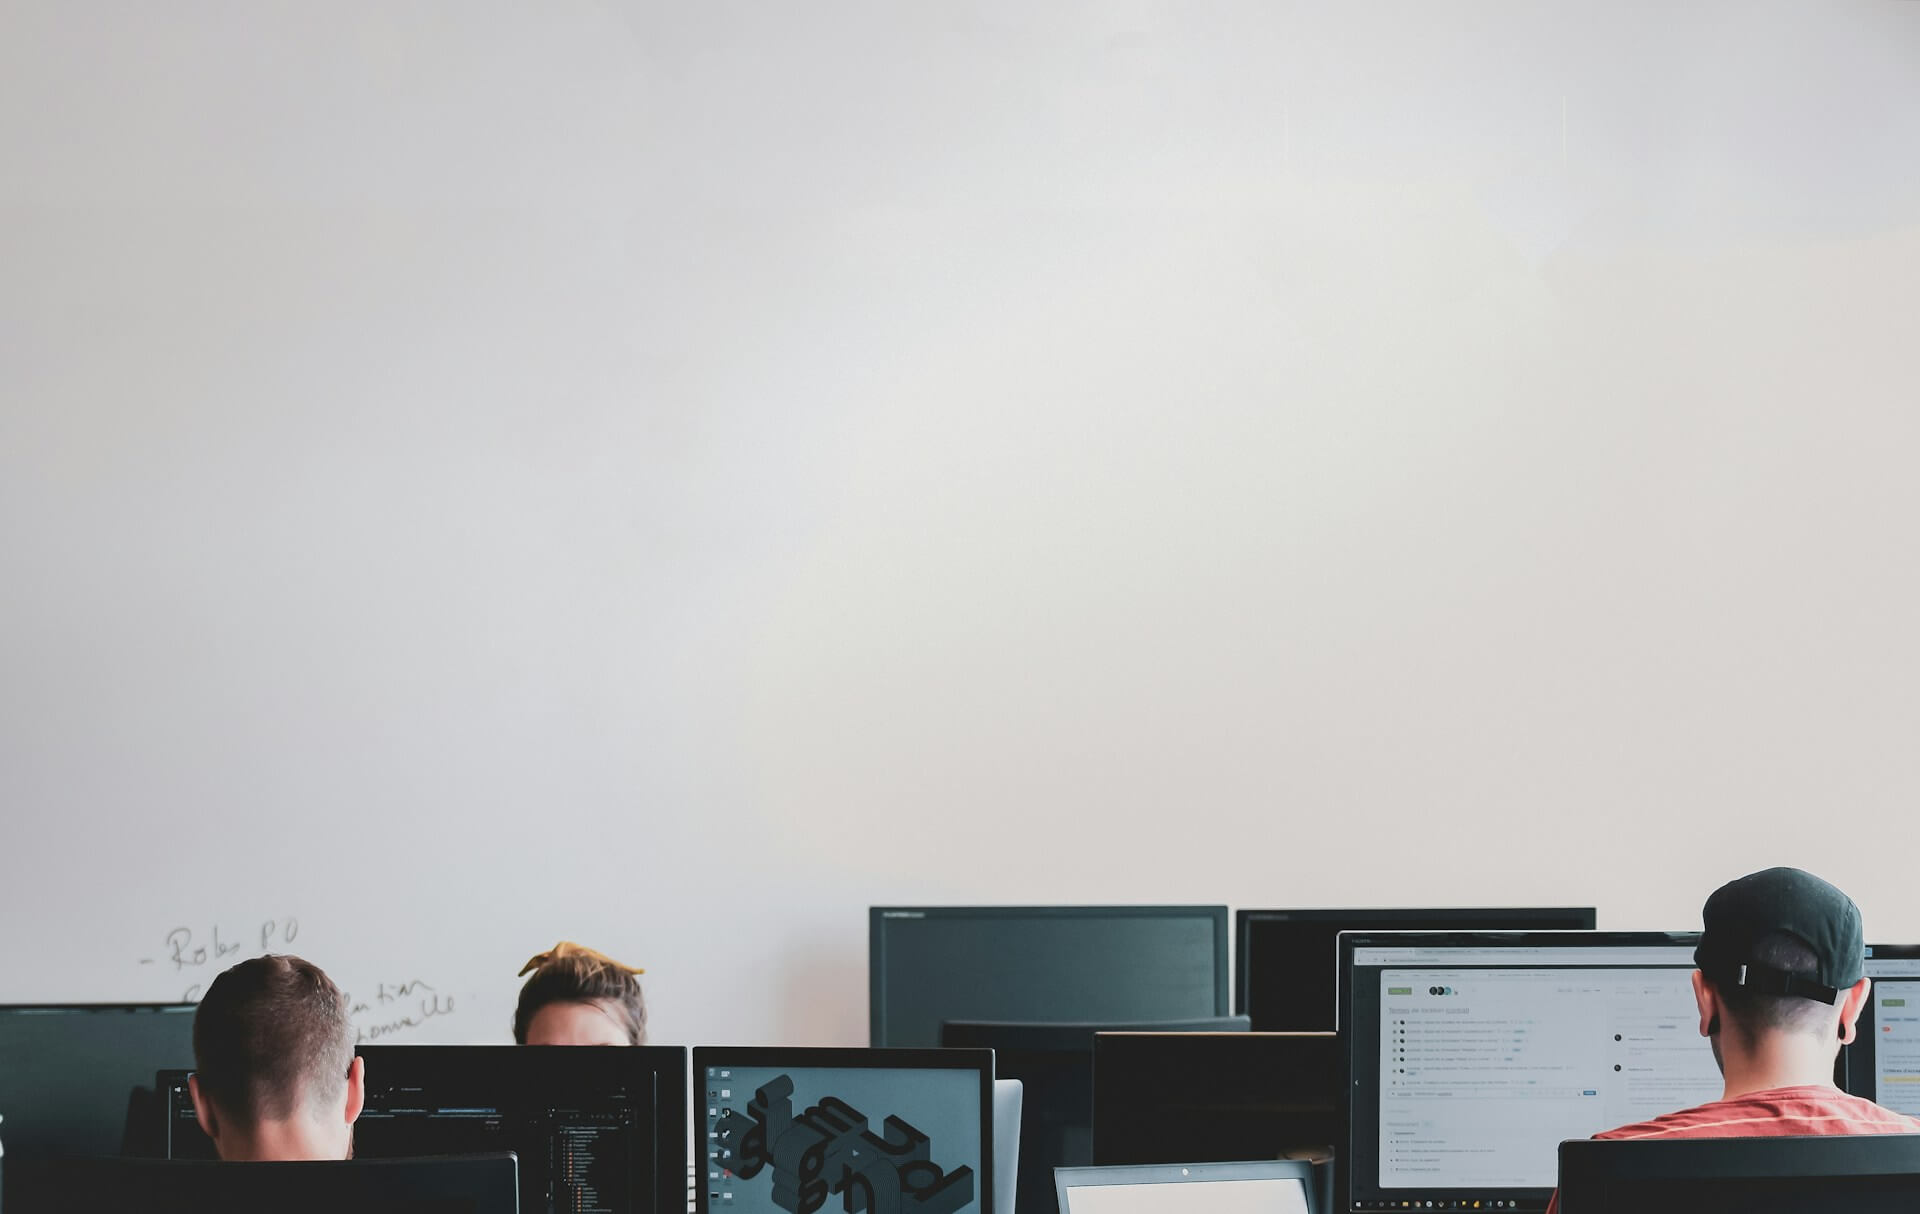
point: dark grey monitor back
(1858, 1174)
(1287, 962)
(593, 1126)
(471, 1184)
(69, 1073)
(1111, 964)
(1215, 1097)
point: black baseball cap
(1782, 900)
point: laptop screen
(1234, 1188)
(1472, 1056)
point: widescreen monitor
(595, 1127)
(479, 1184)
(789, 1130)
(1287, 962)
(1113, 964)
(1830, 1174)
(1883, 1063)
(1215, 1097)
(1472, 1056)
(1055, 1064)
(70, 1074)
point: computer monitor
(1471, 1056)
(1055, 1063)
(1287, 962)
(1201, 1188)
(1883, 1063)
(1215, 1097)
(783, 1130)
(595, 1127)
(1114, 964)
(1857, 1173)
(69, 1073)
(477, 1184)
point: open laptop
(1282, 1186)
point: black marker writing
(185, 951)
(427, 1007)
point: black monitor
(1215, 1097)
(1471, 1056)
(783, 1130)
(70, 1074)
(1287, 962)
(1883, 1063)
(1113, 964)
(479, 1184)
(1055, 1063)
(595, 1127)
(1857, 1174)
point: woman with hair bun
(577, 996)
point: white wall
(670, 475)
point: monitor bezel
(1461, 918)
(878, 916)
(1182, 1173)
(1350, 942)
(488, 1181)
(1600, 1163)
(980, 1062)
(1076, 1036)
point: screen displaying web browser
(1890, 1034)
(1485, 1059)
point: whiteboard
(671, 476)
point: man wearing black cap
(1781, 986)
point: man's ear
(1853, 1001)
(356, 1088)
(202, 1110)
(1708, 1001)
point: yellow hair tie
(567, 948)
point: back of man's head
(271, 1039)
(1783, 951)
(1757, 1013)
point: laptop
(1282, 1186)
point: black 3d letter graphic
(772, 1112)
(829, 1149)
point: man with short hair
(276, 1076)
(1780, 988)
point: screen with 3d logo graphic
(795, 1131)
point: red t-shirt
(1815, 1108)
